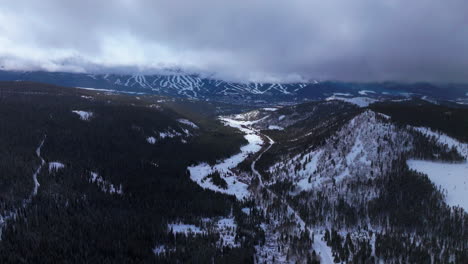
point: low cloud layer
(360, 40)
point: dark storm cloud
(245, 39)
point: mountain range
(205, 88)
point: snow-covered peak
(363, 148)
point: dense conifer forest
(99, 177)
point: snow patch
(151, 140)
(55, 166)
(187, 122)
(186, 229)
(169, 134)
(322, 249)
(226, 227)
(273, 127)
(104, 185)
(359, 101)
(84, 115)
(342, 94)
(246, 210)
(366, 92)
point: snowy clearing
(184, 229)
(453, 178)
(84, 115)
(55, 166)
(359, 101)
(226, 227)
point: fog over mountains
(244, 40)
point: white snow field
(359, 101)
(198, 173)
(451, 177)
(84, 115)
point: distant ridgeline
(195, 86)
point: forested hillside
(99, 177)
(114, 191)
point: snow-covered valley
(235, 185)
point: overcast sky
(360, 40)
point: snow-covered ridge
(363, 148)
(191, 85)
(444, 139)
